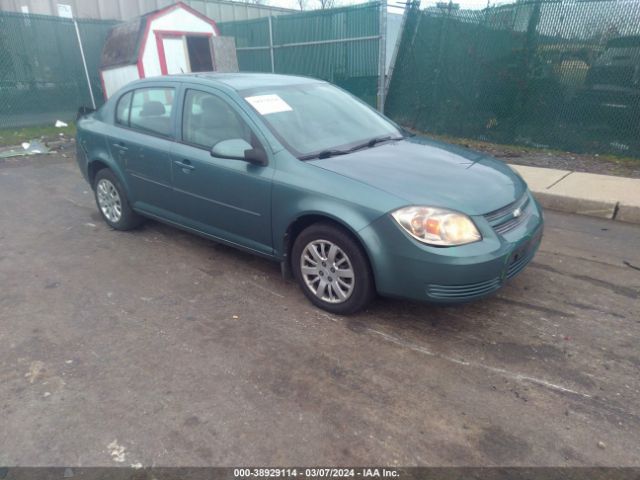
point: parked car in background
(303, 173)
(612, 86)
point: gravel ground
(159, 348)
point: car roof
(237, 81)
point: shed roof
(122, 45)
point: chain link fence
(42, 77)
(552, 73)
(340, 45)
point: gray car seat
(217, 122)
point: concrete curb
(580, 206)
(628, 213)
(603, 196)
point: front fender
(303, 190)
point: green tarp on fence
(560, 74)
(41, 73)
(340, 45)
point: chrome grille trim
(511, 224)
(522, 202)
(503, 221)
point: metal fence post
(273, 65)
(396, 48)
(382, 51)
(84, 64)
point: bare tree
(324, 4)
(302, 4)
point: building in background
(221, 10)
(173, 40)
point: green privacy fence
(341, 45)
(561, 74)
(42, 77)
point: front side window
(208, 119)
(150, 110)
(310, 118)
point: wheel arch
(99, 163)
(300, 223)
(94, 167)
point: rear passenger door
(145, 136)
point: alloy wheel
(109, 200)
(327, 271)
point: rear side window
(149, 110)
(123, 109)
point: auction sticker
(266, 104)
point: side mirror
(239, 149)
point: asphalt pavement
(157, 347)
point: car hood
(426, 172)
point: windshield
(317, 117)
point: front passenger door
(230, 199)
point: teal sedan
(303, 173)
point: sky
(471, 4)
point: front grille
(518, 259)
(517, 266)
(460, 292)
(511, 224)
(503, 219)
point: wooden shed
(174, 39)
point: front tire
(112, 202)
(332, 269)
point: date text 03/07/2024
(315, 473)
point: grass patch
(15, 136)
(489, 146)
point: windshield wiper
(374, 141)
(325, 154)
(334, 152)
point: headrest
(215, 112)
(152, 109)
(212, 104)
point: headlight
(437, 226)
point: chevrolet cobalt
(303, 173)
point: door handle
(185, 165)
(120, 146)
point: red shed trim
(160, 13)
(161, 34)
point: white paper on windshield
(266, 104)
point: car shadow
(394, 314)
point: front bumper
(406, 268)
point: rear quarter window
(123, 108)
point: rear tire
(332, 269)
(113, 203)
